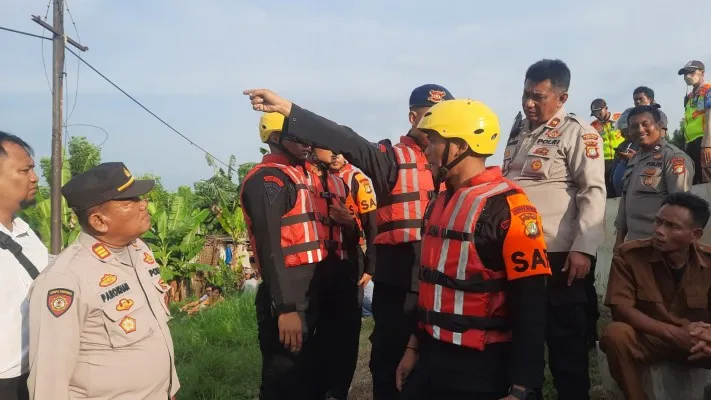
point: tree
(677, 137)
(243, 169)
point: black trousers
(568, 331)
(339, 326)
(395, 319)
(420, 386)
(286, 375)
(14, 388)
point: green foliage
(232, 222)
(84, 155)
(243, 170)
(176, 237)
(677, 137)
(226, 278)
(216, 351)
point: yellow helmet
(270, 123)
(466, 119)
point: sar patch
(591, 150)
(541, 151)
(536, 165)
(591, 136)
(101, 251)
(523, 209)
(148, 259)
(128, 325)
(272, 190)
(554, 133)
(59, 301)
(124, 304)
(107, 280)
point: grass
(218, 358)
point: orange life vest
(333, 191)
(400, 214)
(461, 301)
(302, 235)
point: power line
(145, 108)
(169, 126)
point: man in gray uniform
(557, 159)
(656, 170)
(98, 315)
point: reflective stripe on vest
(301, 233)
(348, 173)
(336, 190)
(694, 113)
(400, 214)
(461, 301)
(611, 137)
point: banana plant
(176, 238)
(232, 221)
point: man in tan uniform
(98, 316)
(658, 169)
(556, 158)
(658, 288)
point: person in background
(657, 169)
(623, 153)
(556, 158)
(644, 96)
(202, 299)
(214, 298)
(658, 291)
(606, 125)
(18, 186)
(697, 120)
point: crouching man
(658, 292)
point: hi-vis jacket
(695, 106)
(327, 189)
(302, 234)
(611, 136)
(400, 213)
(475, 241)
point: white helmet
(622, 122)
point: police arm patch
(272, 190)
(524, 249)
(59, 301)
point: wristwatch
(522, 394)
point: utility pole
(59, 39)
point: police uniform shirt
(98, 326)
(14, 286)
(648, 179)
(560, 167)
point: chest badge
(554, 122)
(536, 165)
(650, 171)
(657, 156)
(124, 304)
(107, 280)
(554, 133)
(541, 151)
(647, 180)
(128, 325)
(148, 259)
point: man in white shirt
(18, 186)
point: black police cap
(429, 95)
(105, 182)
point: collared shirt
(640, 278)
(560, 167)
(650, 176)
(98, 326)
(14, 285)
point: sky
(354, 62)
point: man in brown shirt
(657, 289)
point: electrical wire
(97, 127)
(169, 126)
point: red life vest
(335, 191)
(400, 214)
(461, 301)
(302, 236)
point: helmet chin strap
(445, 168)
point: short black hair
(647, 92)
(697, 206)
(209, 286)
(215, 287)
(652, 109)
(8, 137)
(554, 70)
